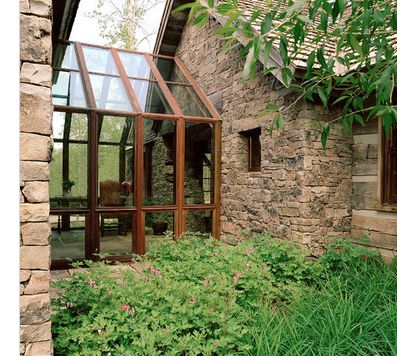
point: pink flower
(206, 282)
(237, 276)
(154, 271)
(250, 250)
(216, 343)
(194, 300)
(125, 307)
(132, 311)
(91, 282)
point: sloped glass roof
(100, 78)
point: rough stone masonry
(35, 151)
(301, 193)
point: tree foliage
(358, 75)
(120, 21)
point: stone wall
(369, 217)
(301, 192)
(35, 148)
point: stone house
(284, 184)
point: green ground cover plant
(263, 296)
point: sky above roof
(86, 29)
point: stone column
(35, 152)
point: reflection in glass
(99, 60)
(198, 221)
(135, 65)
(109, 93)
(65, 57)
(159, 225)
(159, 162)
(115, 161)
(199, 163)
(188, 100)
(169, 70)
(116, 234)
(150, 97)
(67, 89)
(68, 166)
(68, 236)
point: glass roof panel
(150, 97)
(107, 83)
(188, 100)
(135, 65)
(65, 57)
(67, 89)
(169, 70)
(109, 93)
(99, 60)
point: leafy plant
(67, 186)
(359, 77)
(198, 296)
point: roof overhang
(171, 28)
(64, 13)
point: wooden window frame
(389, 185)
(253, 138)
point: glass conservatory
(136, 153)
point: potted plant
(67, 187)
(160, 223)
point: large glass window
(117, 234)
(116, 161)
(68, 236)
(68, 166)
(199, 163)
(198, 221)
(159, 162)
(159, 225)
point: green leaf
(323, 96)
(343, 97)
(271, 106)
(266, 24)
(323, 22)
(335, 10)
(201, 19)
(359, 119)
(320, 56)
(310, 61)
(185, 6)
(284, 50)
(266, 53)
(352, 39)
(324, 135)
